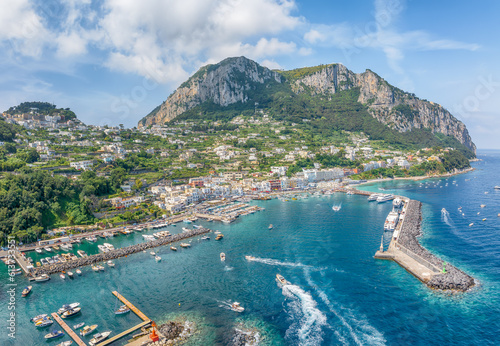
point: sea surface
(339, 294)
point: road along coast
(125, 251)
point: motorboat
(109, 246)
(281, 279)
(157, 258)
(66, 246)
(95, 268)
(483, 205)
(48, 249)
(237, 307)
(111, 263)
(88, 329)
(44, 322)
(71, 312)
(249, 258)
(26, 291)
(62, 276)
(16, 271)
(38, 250)
(219, 236)
(65, 343)
(185, 245)
(78, 272)
(67, 307)
(102, 248)
(337, 207)
(374, 196)
(92, 239)
(56, 247)
(270, 226)
(79, 325)
(38, 317)
(186, 229)
(222, 256)
(99, 337)
(205, 238)
(173, 248)
(122, 310)
(70, 274)
(152, 253)
(54, 334)
(42, 277)
(82, 253)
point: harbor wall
(125, 251)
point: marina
(68, 330)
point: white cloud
(271, 64)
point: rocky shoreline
(454, 278)
(125, 251)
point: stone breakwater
(453, 279)
(125, 251)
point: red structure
(153, 336)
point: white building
(82, 165)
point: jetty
(125, 251)
(68, 330)
(131, 306)
(406, 250)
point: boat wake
(308, 320)
(274, 262)
(445, 215)
(358, 328)
(228, 268)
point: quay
(68, 330)
(406, 250)
(125, 251)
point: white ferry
(391, 221)
(385, 198)
(374, 196)
(397, 202)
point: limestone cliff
(242, 80)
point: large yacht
(391, 221)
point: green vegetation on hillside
(299, 73)
(7, 131)
(44, 108)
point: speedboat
(173, 248)
(82, 253)
(95, 268)
(78, 272)
(122, 310)
(249, 258)
(111, 263)
(152, 253)
(219, 236)
(38, 250)
(281, 279)
(185, 245)
(67, 307)
(42, 277)
(76, 326)
(70, 274)
(270, 226)
(71, 312)
(62, 276)
(336, 207)
(56, 247)
(222, 256)
(483, 205)
(38, 317)
(54, 334)
(48, 249)
(157, 258)
(26, 291)
(205, 238)
(100, 267)
(103, 248)
(88, 329)
(237, 307)
(65, 343)
(44, 322)
(99, 337)
(92, 238)
(109, 246)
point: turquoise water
(338, 294)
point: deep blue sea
(339, 294)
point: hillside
(323, 98)
(40, 108)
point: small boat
(122, 310)
(54, 334)
(237, 307)
(222, 256)
(48, 249)
(42, 277)
(281, 279)
(70, 274)
(484, 219)
(471, 224)
(152, 253)
(95, 268)
(38, 250)
(483, 205)
(249, 258)
(100, 267)
(38, 264)
(219, 236)
(336, 207)
(82, 253)
(38, 317)
(157, 258)
(43, 322)
(71, 312)
(78, 272)
(109, 246)
(173, 248)
(270, 226)
(111, 263)
(16, 271)
(67, 307)
(185, 245)
(65, 343)
(62, 276)
(76, 326)
(56, 247)
(205, 238)
(88, 329)
(26, 291)
(99, 337)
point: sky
(113, 61)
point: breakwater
(452, 278)
(406, 250)
(125, 251)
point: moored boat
(38, 250)
(62, 276)
(122, 310)
(42, 277)
(95, 268)
(99, 337)
(173, 248)
(76, 326)
(44, 322)
(54, 334)
(270, 226)
(67, 307)
(219, 236)
(65, 343)
(38, 317)
(88, 329)
(78, 272)
(72, 312)
(111, 263)
(26, 291)
(185, 245)
(70, 274)
(157, 258)
(82, 253)
(48, 249)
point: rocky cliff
(237, 79)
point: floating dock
(68, 330)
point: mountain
(41, 109)
(329, 96)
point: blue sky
(113, 61)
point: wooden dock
(121, 335)
(68, 330)
(131, 306)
